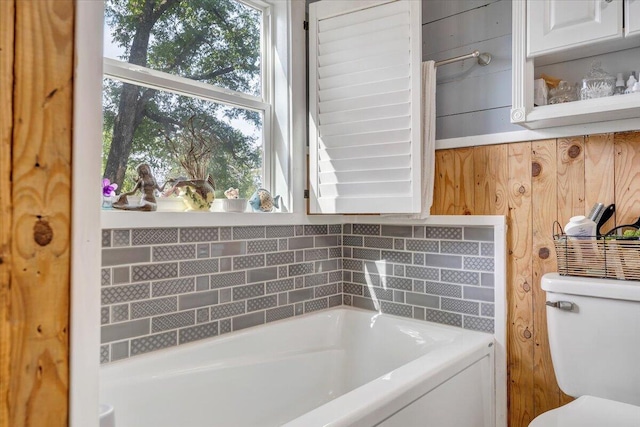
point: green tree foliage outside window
(211, 41)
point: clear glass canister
(563, 93)
(597, 84)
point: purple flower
(108, 189)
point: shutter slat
(366, 138)
(365, 40)
(371, 63)
(357, 91)
(362, 77)
(364, 16)
(369, 101)
(367, 126)
(371, 150)
(401, 174)
(381, 189)
(380, 163)
(366, 114)
(380, 51)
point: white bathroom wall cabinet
(364, 106)
(632, 18)
(556, 25)
(557, 31)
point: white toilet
(594, 336)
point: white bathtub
(340, 367)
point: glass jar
(564, 92)
(597, 83)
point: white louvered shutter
(364, 102)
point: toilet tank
(595, 345)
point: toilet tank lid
(587, 286)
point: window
(180, 74)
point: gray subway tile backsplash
(163, 287)
(195, 333)
(198, 234)
(121, 275)
(248, 320)
(198, 299)
(477, 293)
(262, 274)
(153, 342)
(121, 238)
(173, 252)
(120, 331)
(153, 236)
(121, 256)
(479, 233)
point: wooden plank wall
(36, 82)
(534, 184)
(454, 28)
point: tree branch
(162, 9)
(213, 74)
(161, 119)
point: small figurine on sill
(262, 201)
(232, 193)
(147, 185)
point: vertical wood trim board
(535, 184)
(519, 297)
(627, 177)
(599, 184)
(35, 298)
(570, 178)
(544, 193)
(7, 15)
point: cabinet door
(557, 25)
(632, 18)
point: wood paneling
(544, 170)
(541, 182)
(627, 177)
(7, 13)
(570, 178)
(37, 156)
(519, 297)
(599, 184)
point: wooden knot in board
(543, 253)
(536, 168)
(526, 286)
(573, 151)
(42, 232)
(527, 333)
(522, 190)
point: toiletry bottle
(630, 82)
(620, 87)
(580, 227)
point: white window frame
(283, 99)
(147, 77)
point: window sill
(128, 219)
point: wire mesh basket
(598, 257)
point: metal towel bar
(483, 58)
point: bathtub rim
(185, 348)
(363, 406)
(357, 407)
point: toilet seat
(590, 411)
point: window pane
(213, 41)
(159, 128)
